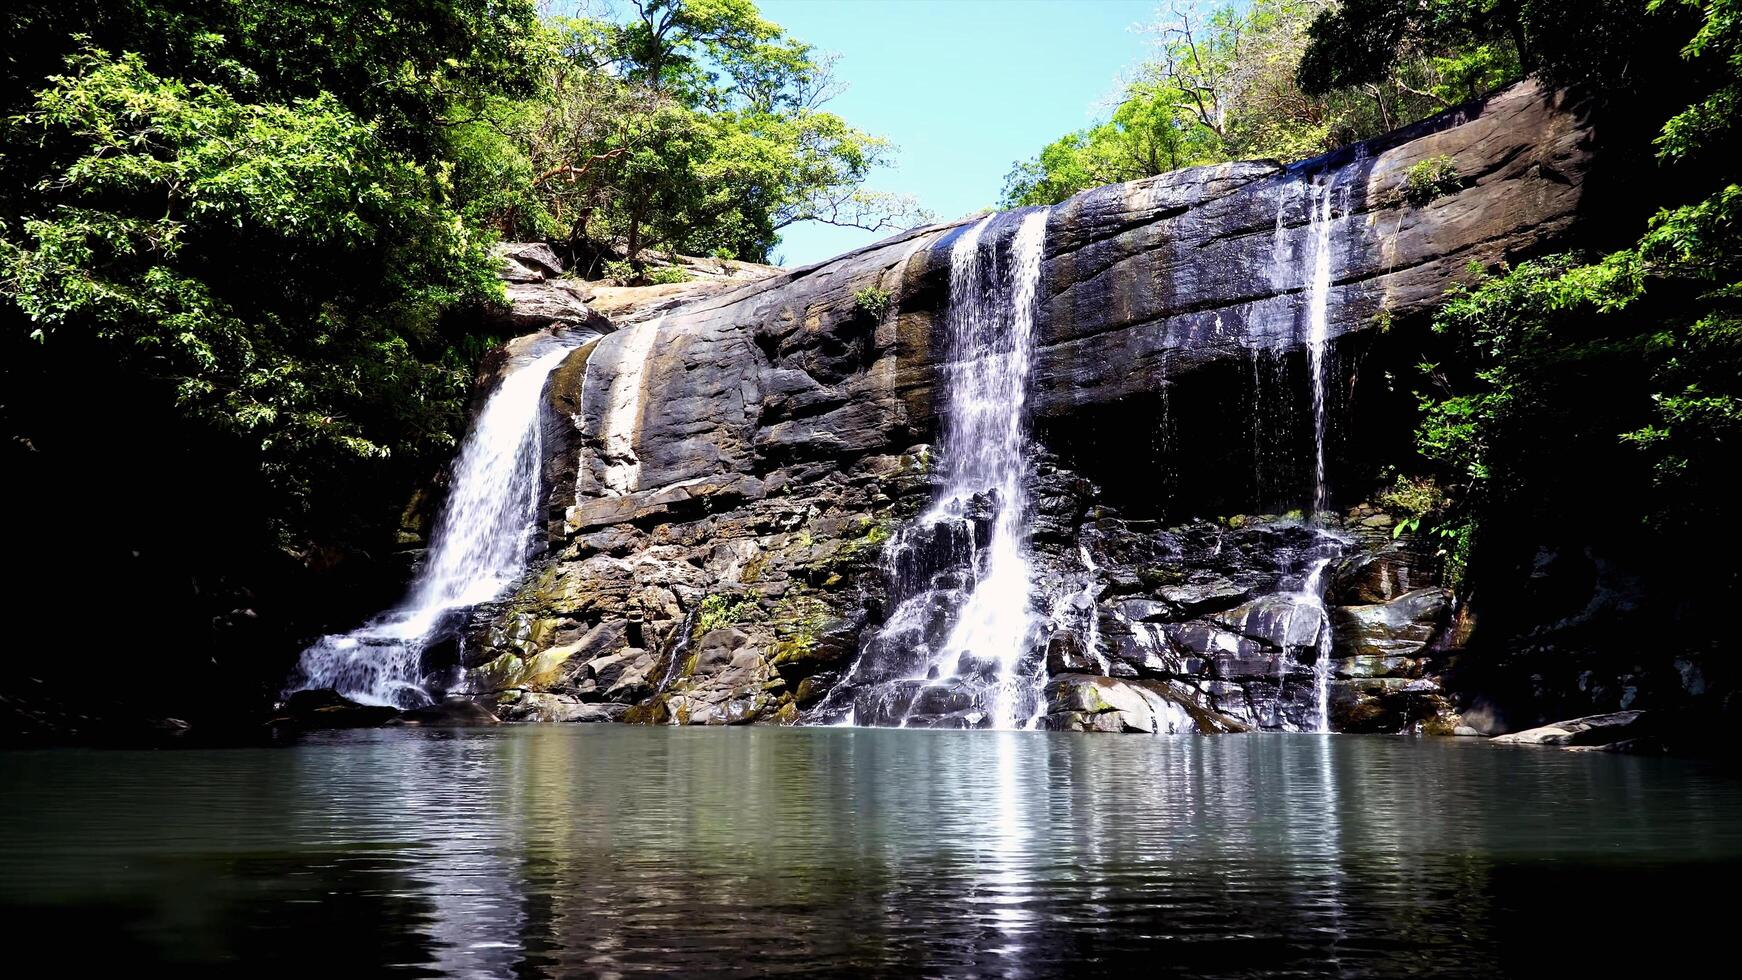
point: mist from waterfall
(480, 547)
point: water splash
(1312, 597)
(480, 547)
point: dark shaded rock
(1065, 654)
(1374, 634)
(451, 713)
(330, 709)
(1366, 578)
(1208, 595)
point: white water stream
(480, 547)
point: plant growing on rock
(872, 302)
(1430, 179)
(668, 275)
(719, 612)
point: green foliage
(620, 272)
(1229, 82)
(1413, 497)
(257, 225)
(1640, 349)
(720, 612)
(667, 275)
(1457, 49)
(692, 126)
(1429, 179)
(872, 302)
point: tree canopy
(691, 126)
(1236, 81)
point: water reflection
(552, 851)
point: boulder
(1087, 703)
(1590, 730)
(531, 706)
(327, 708)
(527, 262)
(449, 713)
(1400, 628)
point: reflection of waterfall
(959, 648)
(479, 548)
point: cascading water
(986, 446)
(1319, 198)
(1312, 597)
(480, 547)
(1078, 612)
(1310, 267)
(959, 647)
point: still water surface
(544, 851)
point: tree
(697, 126)
(1154, 130)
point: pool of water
(534, 851)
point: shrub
(620, 272)
(872, 301)
(1432, 178)
(668, 274)
(719, 612)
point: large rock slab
(1589, 730)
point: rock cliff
(736, 454)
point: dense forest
(246, 257)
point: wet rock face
(730, 535)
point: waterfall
(1309, 268)
(986, 447)
(1083, 605)
(959, 648)
(1313, 597)
(480, 547)
(1318, 328)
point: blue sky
(964, 88)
